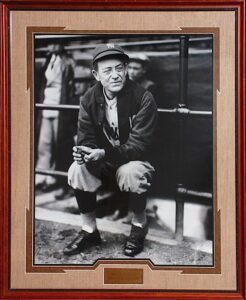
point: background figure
(137, 69)
(55, 134)
(82, 82)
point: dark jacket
(137, 118)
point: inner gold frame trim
(216, 268)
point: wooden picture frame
(19, 278)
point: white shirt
(52, 92)
(111, 130)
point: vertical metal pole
(183, 70)
(183, 88)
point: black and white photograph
(123, 149)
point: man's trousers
(133, 177)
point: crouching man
(116, 124)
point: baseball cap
(110, 49)
(139, 57)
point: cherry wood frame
(5, 7)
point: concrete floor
(56, 223)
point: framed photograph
(123, 150)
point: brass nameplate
(123, 276)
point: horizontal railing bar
(57, 36)
(182, 191)
(183, 111)
(130, 44)
(151, 54)
(166, 110)
(50, 172)
(57, 107)
(200, 113)
(194, 193)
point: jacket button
(101, 105)
(99, 123)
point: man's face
(111, 73)
(135, 70)
(80, 87)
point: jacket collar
(123, 93)
(99, 93)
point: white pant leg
(45, 148)
(80, 178)
(135, 176)
(54, 123)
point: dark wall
(197, 130)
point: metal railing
(181, 190)
(50, 172)
(177, 110)
(132, 44)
